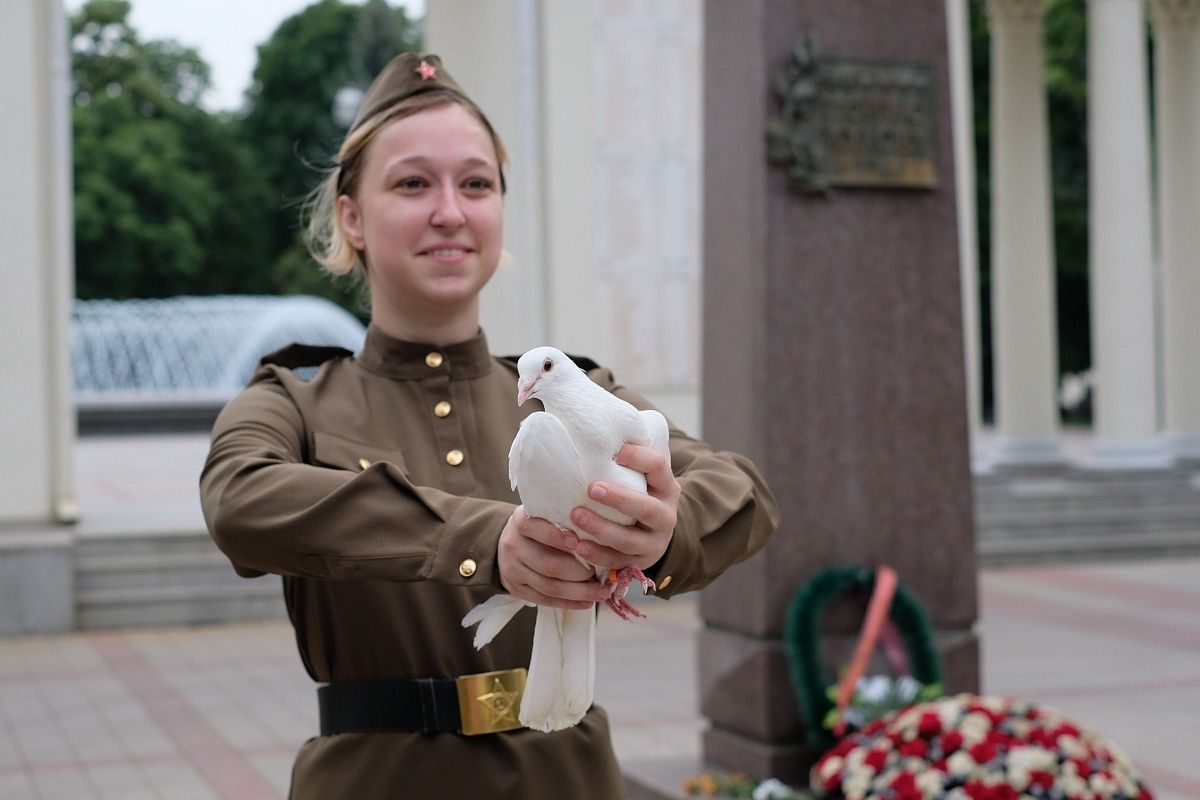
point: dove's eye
(547, 365)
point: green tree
(167, 200)
(1066, 93)
(290, 121)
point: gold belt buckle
(488, 702)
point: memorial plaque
(855, 122)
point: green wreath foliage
(802, 641)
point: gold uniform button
(467, 567)
(442, 409)
(363, 463)
(665, 582)
(454, 457)
(433, 360)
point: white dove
(556, 454)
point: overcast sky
(225, 32)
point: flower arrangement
(969, 747)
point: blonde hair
(323, 234)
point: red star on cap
(427, 70)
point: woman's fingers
(660, 482)
(534, 568)
(654, 513)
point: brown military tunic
(368, 487)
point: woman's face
(428, 215)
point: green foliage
(167, 199)
(289, 119)
(170, 199)
(1066, 92)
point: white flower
(873, 688)
(1030, 758)
(975, 727)
(907, 687)
(930, 783)
(1101, 785)
(1072, 747)
(960, 764)
(772, 788)
(831, 767)
(856, 786)
(1017, 777)
(1071, 784)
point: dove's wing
(659, 432)
(544, 466)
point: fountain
(170, 364)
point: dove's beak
(525, 389)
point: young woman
(379, 488)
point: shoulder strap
(295, 356)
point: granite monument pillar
(833, 339)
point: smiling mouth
(447, 252)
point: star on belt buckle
(488, 702)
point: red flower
(1003, 791)
(917, 747)
(930, 724)
(873, 727)
(976, 790)
(1081, 766)
(983, 752)
(1040, 778)
(875, 759)
(843, 747)
(905, 787)
(951, 742)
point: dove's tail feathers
(579, 662)
(492, 615)
(558, 688)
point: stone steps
(1084, 516)
(174, 577)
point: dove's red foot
(620, 580)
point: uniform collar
(397, 358)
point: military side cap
(406, 75)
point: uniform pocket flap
(330, 450)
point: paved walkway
(218, 712)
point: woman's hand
(536, 564)
(642, 544)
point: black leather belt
(487, 702)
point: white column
(1023, 314)
(1121, 268)
(37, 421)
(958, 30)
(1177, 109)
(493, 50)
